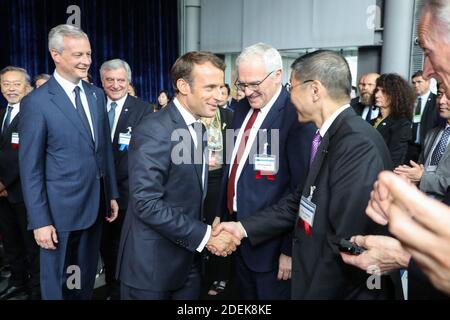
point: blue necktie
(7, 119)
(112, 114)
(80, 110)
(440, 148)
(369, 114)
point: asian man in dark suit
(21, 250)
(67, 168)
(124, 113)
(263, 271)
(346, 156)
(164, 230)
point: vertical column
(397, 36)
(192, 25)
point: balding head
(366, 88)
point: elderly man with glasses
(270, 157)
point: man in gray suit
(432, 173)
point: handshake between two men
(225, 237)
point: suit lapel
(179, 123)
(94, 110)
(63, 103)
(123, 119)
(316, 165)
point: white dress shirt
(15, 110)
(117, 112)
(68, 88)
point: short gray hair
(57, 34)
(114, 65)
(269, 55)
(439, 9)
(328, 67)
(17, 69)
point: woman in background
(395, 97)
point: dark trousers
(109, 250)
(21, 250)
(260, 285)
(189, 291)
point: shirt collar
(67, 85)
(265, 110)
(187, 116)
(327, 124)
(119, 102)
(425, 96)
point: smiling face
(253, 71)
(436, 47)
(115, 83)
(203, 95)
(14, 86)
(74, 60)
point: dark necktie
(237, 160)
(440, 148)
(112, 114)
(7, 119)
(199, 149)
(369, 114)
(418, 107)
(415, 130)
(314, 147)
(81, 112)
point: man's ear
(55, 55)
(183, 87)
(317, 89)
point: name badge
(307, 211)
(124, 141)
(417, 118)
(15, 138)
(266, 164)
(431, 168)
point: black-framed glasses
(252, 86)
(289, 86)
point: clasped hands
(225, 237)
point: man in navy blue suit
(165, 229)
(270, 164)
(67, 168)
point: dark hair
(182, 68)
(418, 73)
(399, 93)
(328, 67)
(226, 85)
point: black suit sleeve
(280, 217)
(400, 135)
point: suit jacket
(133, 110)
(347, 163)
(61, 167)
(9, 161)
(435, 183)
(429, 118)
(357, 106)
(163, 226)
(396, 133)
(293, 152)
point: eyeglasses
(289, 86)
(252, 86)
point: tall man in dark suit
(425, 115)
(364, 105)
(67, 168)
(275, 138)
(21, 250)
(124, 114)
(346, 156)
(164, 229)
